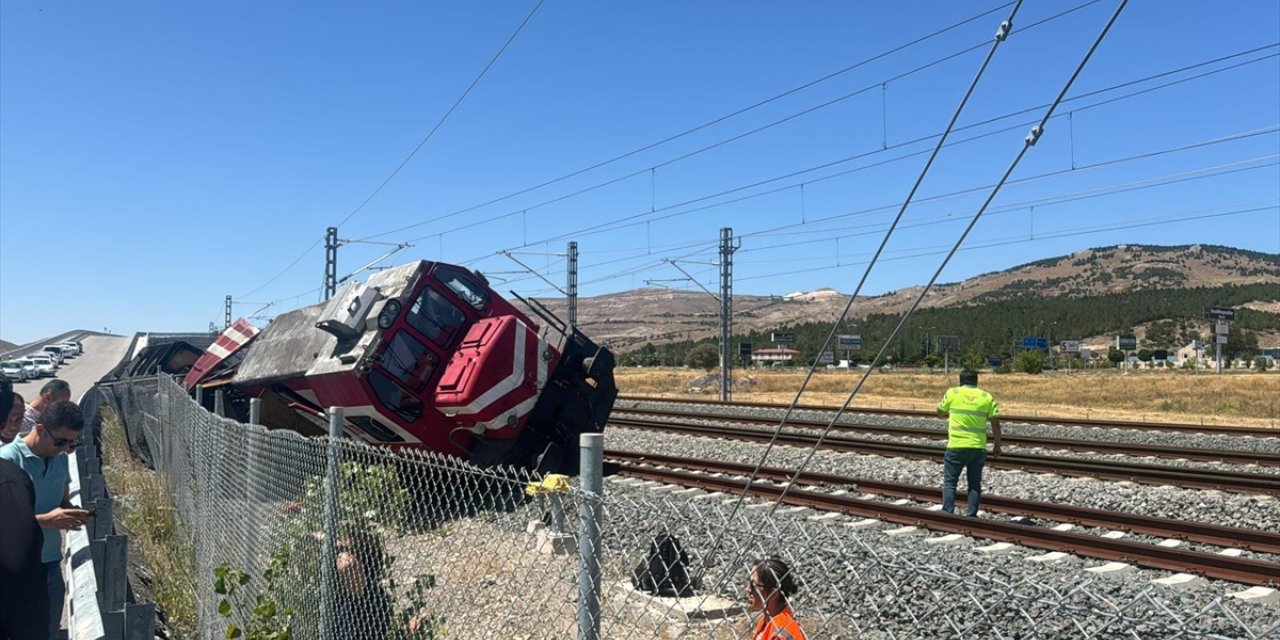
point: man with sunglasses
(42, 455)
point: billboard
(1127, 342)
(787, 337)
(1219, 313)
(1070, 346)
(826, 357)
(849, 342)
(948, 344)
(744, 349)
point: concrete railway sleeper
(1144, 473)
(1209, 565)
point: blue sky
(156, 157)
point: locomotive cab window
(435, 317)
(394, 397)
(409, 360)
(464, 285)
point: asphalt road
(101, 354)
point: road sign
(1127, 342)
(1160, 354)
(1070, 346)
(1219, 313)
(783, 338)
(1222, 328)
(948, 344)
(849, 342)
(1195, 345)
(826, 357)
(1222, 339)
(744, 349)
(994, 362)
(1035, 343)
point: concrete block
(709, 496)
(997, 548)
(866, 496)
(534, 526)
(1234, 553)
(1114, 535)
(697, 607)
(665, 488)
(1180, 581)
(949, 539)
(1111, 569)
(688, 492)
(792, 511)
(556, 544)
(865, 523)
(902, 531)
(1169, 543)
(934, 507)
(1258, 595)
(1064, 527)
(824, 517)
(1050, 558)
(901, 502)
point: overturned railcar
(422, 355)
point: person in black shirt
(23, 593)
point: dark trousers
(971, 460)
(57, 593)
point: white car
(29, 366)
(68, 350)
(54, 353)
(45, 365)
(12, 370)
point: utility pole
(572, 285)
(727, 247)
(227, 323)
(330, 262)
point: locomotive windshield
(394, 397)
(435, 317)
(461, 283)
(409, 360)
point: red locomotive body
(421, 355)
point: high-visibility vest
(969, 409)
(780, 627)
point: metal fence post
(328, 557)
(253, 487)
(219, 403)
(590, 511)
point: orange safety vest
(780, 627)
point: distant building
(773, 355)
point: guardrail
(96, 561)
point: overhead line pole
(330, 262)
(572, 285)
(727, 247)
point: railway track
(1076, 422)
(1130, 449)
(1235, 482)
(1212, 565)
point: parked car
(68, 350)
(13, 371)
(45, 365)
(54, 352)
(79, 345)
(29, 366)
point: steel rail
(1144, 473)
(1066, 421)
(1252, 539)
(1236, 456)
(1210, 565)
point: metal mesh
(423, 546)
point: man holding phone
(42, 454)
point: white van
(54, 352)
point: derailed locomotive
(422, 355)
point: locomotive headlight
(388, 315)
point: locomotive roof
(291, 346)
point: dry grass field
(1158, 396)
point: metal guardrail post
(590, 511)
(328, 557)
(140, 621)
(115, 573)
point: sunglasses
(71, 443)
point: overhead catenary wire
(672, 210)
(710, 123)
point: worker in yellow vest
(968, 409)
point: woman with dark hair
(771, 584)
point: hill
(1089, 294)
(7, 346)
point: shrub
(1029, 361)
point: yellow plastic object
(552, 483)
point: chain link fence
(331, 538)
